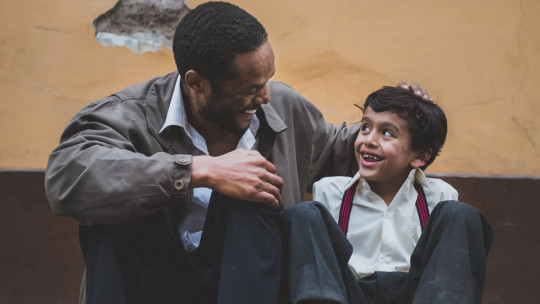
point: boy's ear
(420, 159)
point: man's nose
(264, 96)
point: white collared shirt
(383, 236)
(191, 225)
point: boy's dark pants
(447, 265)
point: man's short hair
(209, 37)
(426, 121)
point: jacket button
(182, 160)
(178, 184)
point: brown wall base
(512, 207)
(40, 259)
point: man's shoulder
(133, 99)
(288, 103)
(281, 94)
(280, 87)
(161, 85)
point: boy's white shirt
(383, 237)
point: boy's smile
(383, 150)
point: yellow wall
(479, 59)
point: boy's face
(383, 148)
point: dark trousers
(239, 258)
(448, 264)
(254, 254)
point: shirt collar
(415, 176)
(177, 111)
(353, 180)
(176, 116)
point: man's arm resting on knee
(240, 174)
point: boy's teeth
(371, 156)
(250, 111)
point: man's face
(233, 102)
(383, 148)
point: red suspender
(421, 205)
(346, 207)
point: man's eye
(255, 90)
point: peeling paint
(140, 25)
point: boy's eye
(388, 133)
(364, 127)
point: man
(138, 169)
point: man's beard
(221, 115)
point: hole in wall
(140, 25)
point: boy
(398, 255)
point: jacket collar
(159, 98)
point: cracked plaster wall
(480, 60)
(140, 25)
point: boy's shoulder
(440, 186)
(330, 186)
(333, 181)
(439, 183)
(329, 192)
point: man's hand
(416, 89)
(240, 174)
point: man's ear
(197, 83)
(420, 159)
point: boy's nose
(371, 139)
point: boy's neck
(387, 190)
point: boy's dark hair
(208, 38)
(426, 121)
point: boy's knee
(463, 216)
(456, 211)
(308, 210)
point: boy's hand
(416, 89)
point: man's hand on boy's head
(416, 89)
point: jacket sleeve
(98, 175)
(333, 150)
(321, 148)
(332, 147)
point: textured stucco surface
(140, 25)
(480, 60)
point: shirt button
(182, 160)
(178, 184)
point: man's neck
(218, 140)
